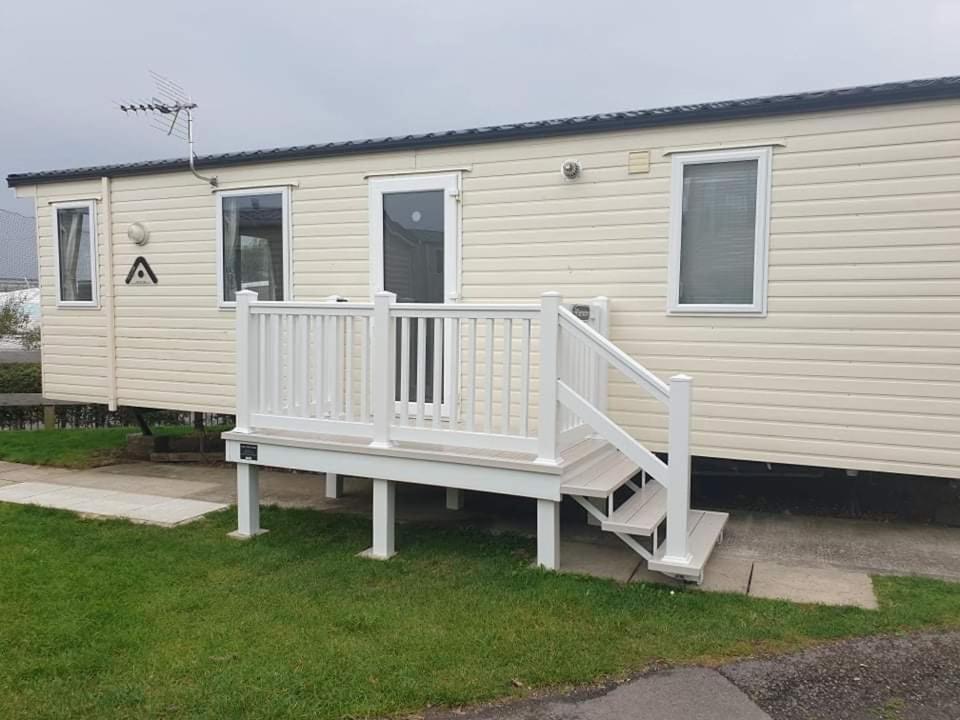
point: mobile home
(521, 308)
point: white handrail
(617, 357)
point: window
(254, 244)
(718, 231)
(76, 253)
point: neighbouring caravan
(797, 256)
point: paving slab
(598, 560)
(823, 585)
(681, 694)
(727, 574)
(141, 507)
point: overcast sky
(280, 73)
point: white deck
(352, 389)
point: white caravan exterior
(845, 354)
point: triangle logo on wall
(141, 273)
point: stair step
(641, 514)
(601, 478)
(584, 451)
(703, 533)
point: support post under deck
(454, 499)
(384, 520)
(334, 486)
(248, 502)
(548, 534)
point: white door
(414, 252)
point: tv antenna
(171, 111)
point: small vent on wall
(638, 161)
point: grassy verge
(74, 448)
(112, 620)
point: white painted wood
(525, 377)
(549, 351)
(383, 369)
(507, 378)
(364, 368)
(319, 359)
(421, 363)
(615, 356)
(404, 370)
(384, 519)
(548, 534)
(601, 476)
(438, 467)
(600, 306)
(348, 367)
(489, 341)
(613, 433)
(275, 370)
(438, 353)
(248, 500)
(333, 486)
(312, 425)
(464, 439)
(452, 374)
(246, 373)
(641, 514)
(301, 394)
(705, 531)
(678, 487)
(454, 499)
(471, 375)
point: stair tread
(602, 478)
(642, 513)
(583, 451)
(703, 531)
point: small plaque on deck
(581, 311)
(248, 451)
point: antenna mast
(172, 112)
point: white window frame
(284, 192)
(761, 231)
(94, 302)
(449, 183)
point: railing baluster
(525, 377)
(488, 379)
(470, 413)
(338, 367)
(319, 350)
(437, 396)
(303, 365)
(364, 367)
(348, 367)
(507, 376)
(421, 368)
(275, 368)
(262, 367)
(452, 373)
(405, 371)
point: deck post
(548, 534)
(549, 350)
(382, 354)
(334, 485)
(454, 499)
(246, 377)
(384, 520)
(678, 485)
(248, 502)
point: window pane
(253, 246)
(73, 229)
(718, 233)
(413, 268)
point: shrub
(20, 378)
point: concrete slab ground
(764, 555)
(687, 693)
(140, 507)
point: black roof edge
(837, 99)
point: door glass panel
(413, 268)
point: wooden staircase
(594, 473)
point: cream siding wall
(856, 365)
(74, 348)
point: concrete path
(881, 678)
(803, 559)
(101, 502)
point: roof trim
(838, 99)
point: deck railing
(460, 375)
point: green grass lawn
(104, 619)
(74, 448)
